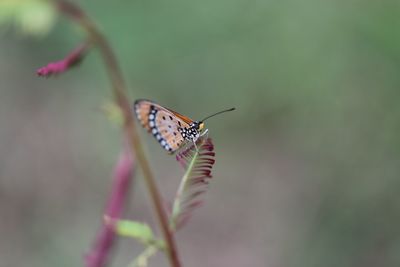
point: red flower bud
(69, 61)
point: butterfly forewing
(168, 127)
(182, 117)
(163, 123)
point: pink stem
(101, 249)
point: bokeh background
(308, 167)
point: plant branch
(120, 96)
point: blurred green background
(307, 170)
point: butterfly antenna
(223, 111)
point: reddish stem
(100, 252)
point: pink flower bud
(69, 61)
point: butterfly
(171, 129)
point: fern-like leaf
(198, 164)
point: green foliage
(113, 113)
(139, 231)
(143, 233)
(143, 259)
(30, 17)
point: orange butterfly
(170, 128)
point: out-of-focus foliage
(113, 113)
(136, 230)
(31, 17)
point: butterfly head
(193, 131)
(200, 126)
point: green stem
(120, 96)
(182, 187)
(143, 258)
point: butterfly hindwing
(168, 127)
(164, 124)
(142, 110)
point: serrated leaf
(198, 163)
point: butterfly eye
(201, 126)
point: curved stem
(120, 96)
(176, 208)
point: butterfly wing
(163, 123)
(142, 110)
(187, 120)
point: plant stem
(120, 96)
(182, 186)
(143, 258)
(99, 253)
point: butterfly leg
(205, 133)
(194, 140)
